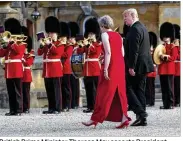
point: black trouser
(136, 93)
(54, 93)
(91, 83)
(150, 90)
(177, 89)
(14, 88)
(166, 82)
(75, 91)
(26, 95)
(66, 92)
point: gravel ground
(161, 123)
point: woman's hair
(106, 21)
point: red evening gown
(111, 100)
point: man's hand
(131, 72)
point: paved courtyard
(161, 123)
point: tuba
(158, 52)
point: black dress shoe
(76, 107)
(149, 105)
(26, 111)
(48, 112)
(56, 112)
(177, 105)
(65, 110)
(18, 114)
(140, 122)
(10, 114)
(88, 111)
(162, 107)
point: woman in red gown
(111, 100)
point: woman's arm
(122, 48)
(107, 49)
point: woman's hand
(106, 75)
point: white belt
(12, 60)
(176, 61)
(27, 67)
(92, 59)
(51, 60)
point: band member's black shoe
(140, 122)
(76, 107)
(56, 112)
(10, 114)
(162, 107)
(13, 114)
(149, 105)
(177, 105)
(26, 111)
(18, 114)
(88, 111)
(48, 112)
(65, 110)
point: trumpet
(7, 36)
(43, 41)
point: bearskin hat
(29, 43)
(167, 30)
(92, 25)
(177, 31)
(74, 28)
(153, 39)
(13, 25)
(64, 30)
(52, 24)
(25, 31)
(126, 29)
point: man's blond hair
(132, 12)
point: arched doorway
(82, 18)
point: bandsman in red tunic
(66, 88)
(13, 52)
(177, 66)
(74, 82)
(27, 60)
(166, 69)
(92, 65)
(52, 66)
(150, 80)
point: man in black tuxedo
(138, 62)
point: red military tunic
(28, 60)
(92, 65)
(66, 59)
(177, 62)
(168, 67)
(13, 60)
(52, 66)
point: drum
(77, 63)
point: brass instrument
(43, 41)
(116, 29)
(63, 40)
(158, 53)
(7, 36)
